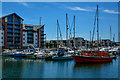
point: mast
(114, 37)
(90, 39)
(111, 36)
(74, 31)
(40, 21)
(57, 35)
(97, 30)
(66, 30)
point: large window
(10, 19)
(17, 20)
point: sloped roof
(12, 14)
(35, 27)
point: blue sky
(51, 11)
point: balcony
(17, 35)
(17, 23)
(10, 22)
(10, 42)
(9, 26)
(10, 31)
(30, 32)
(9, 35)
(17, 31)
(17, 27)
(29, 36)
(42, 37)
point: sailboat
(61, 52)
(93, 56)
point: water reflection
(31, 68)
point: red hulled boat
(94, 56)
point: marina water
(38, 68)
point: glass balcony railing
(10, 22)
(17, 31)
(30, 32)
(10, 35)
(17, 27)
(30, 36)
(9, 26)
(10, 42)
(10, 31)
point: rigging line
(71, 28)
(60, 31)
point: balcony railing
(10, 31)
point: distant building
(82, 43)
(105, 43)
(33, 35)
(79, 42)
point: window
(23, 38)
(17, 20)
(23, 34)
(10, 19)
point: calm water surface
(30, 68)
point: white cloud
(111, 11)
(78, 9)
(23, 3)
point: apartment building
(16, 35)
(12, 26)
(33, 35)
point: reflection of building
(15, 35)
(33, 35)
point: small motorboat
(19, 53)
(64, 57)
